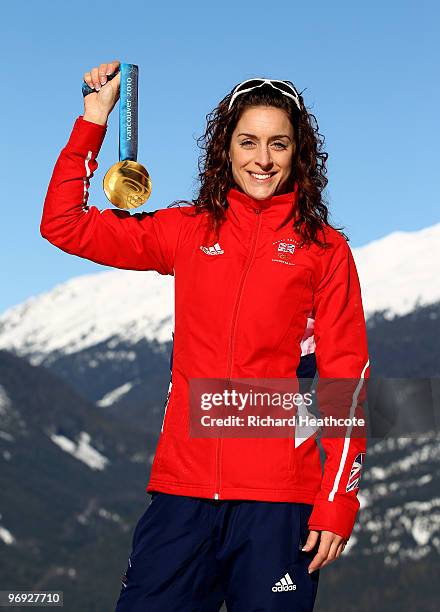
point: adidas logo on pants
(285, 584)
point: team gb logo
(283, 251)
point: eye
(279, 145)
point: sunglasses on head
(282, 86)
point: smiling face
(262, 145)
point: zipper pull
(257, 211)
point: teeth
(260, 176)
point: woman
(243, 519)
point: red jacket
(241, 308)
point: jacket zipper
(257, 211)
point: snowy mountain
(400, 271)
(90, 309)
(397, 273)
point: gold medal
(127, 184)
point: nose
(263, 158)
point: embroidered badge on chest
(283, 251)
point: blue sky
(368, 70)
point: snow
(4, 435)
(5, 402)
(418, 456)
(6, 536)
(90, 309)
(424, 479)
(83, 451)
(110, 516)
(10, 417)
(423, 528)
(363, 500)
(401, 532)
(391, 444)
(399, 270)
(116, 394)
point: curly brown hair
(308, 164)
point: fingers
(341, 548)
(333, 553)
(311, 541)
(97, 77)
(330, 548)
(321, 555)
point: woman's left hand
(330, 548)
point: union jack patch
(355, 473)
(285, 247)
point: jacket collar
(276, 210)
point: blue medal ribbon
(128, 109)
(128, 113)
